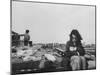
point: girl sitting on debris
(75, 51)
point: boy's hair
(27, 31)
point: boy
(26, 38)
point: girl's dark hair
(77, 34)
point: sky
(52, 23)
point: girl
(75, 51)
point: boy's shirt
(26, 37)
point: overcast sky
(53, 22)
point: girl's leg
(75, 62)
(83, 60)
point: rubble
(37, 58)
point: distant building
(15, 38)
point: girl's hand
(73, 48)
(78, 53)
